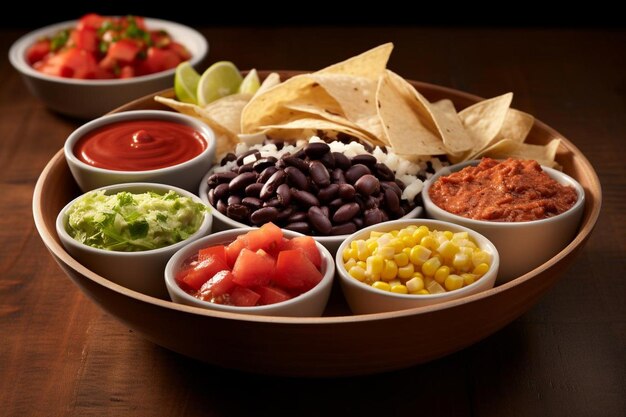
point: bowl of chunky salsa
(528, 211)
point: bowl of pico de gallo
(87, 67)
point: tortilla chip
(483, 120)
(272, 80)
(507, 148)
(455, 137)
(370, 64)
(516, 126)
(401, 125)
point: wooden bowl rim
(590, 217)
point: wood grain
(60, 355)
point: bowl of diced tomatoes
(263, 271)
(87, 67)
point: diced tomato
(204, 271)
(71, 63)
(179, 50)
(295, 271)
(243, 297)
(253, 268)
(123, 50)
(266, 238)
(38, 51)
(220, 284)
(218, 251)
(233, 250)
(127, 72)
(159, 60)
(91, 20)
(272, 295)
(308, 246)
(86, 39)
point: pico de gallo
(101, 47)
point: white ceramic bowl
(92, 98)
(223, 222)
(308, 304)
(364, 299)
(523, 246)
(185, 175)
(138, 271)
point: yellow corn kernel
(419, 254)
(349, 264)
(469, 278)
(362, 264)
(460, 235)
(374, 266)
(357, 272)
(423, 291)
(453, 282)
(394, 282)
(407, 251)
(461, 262)
(404, 232)
(430, 266)
(448, 249)
(429, 242)
(386, 251)
(406, 272)
(435, 288)
(362, 252)
(481, 269)
(401, 259)
(390, 270)
(383, 286)
(375, 234)
(448, 234)
(427, 281)
(480, 257)
(442, 273)
(408, 241)
(420, 233)
(347, 254)
(415, 284)
(399, 289)
(372, 246)
(397, 245)
(394, 233)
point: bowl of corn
(404, 264)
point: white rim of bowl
(558, 176)
(203, 190)
(201, 127)
(17, 53)
(227, 236)
(207, 221)
(486, 245)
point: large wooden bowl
(338, 343)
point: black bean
(358, 221)
(384, 173)
(397, 213)
(304, 197)
(233, 199)
(296, 178)
(385, 215)
(263, 163)
(211, 196)
(298, 216)
(355, 172)
(370, 202)
(325, 210)
(284, 214)
(241, 181)
(341, 161)
(220, 177)
(338, 176)
(229, 157)
(372, 216)
(328, 160)
(319, 173)
(221, 191)
(346, 191)
(400, 184)
(300, 154)
(336, 203)
(283, 193)
(300, 227)
(266, 174)
(221, 206)
(319, 221)
(264, 215)
(313, 187)
(367, 185)
(272, 202)
(365, 159)
(254, 189)
(252, 202)
(328, 193)
(281, 164)
(393, 186)
(343, 229)
(238, 212)
(245, 168)
(296, 162)
(269, 188)
(316, 150)
(243, 156)
(392, 202)
(346, 212)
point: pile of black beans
(313, 191)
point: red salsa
(102, 47)
(139, 145)
(509, 191)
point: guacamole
(129, 222)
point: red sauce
(509, 191)
(139, 145)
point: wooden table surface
(62, 355)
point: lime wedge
(250, 83)
(186, 83)
(219, 80)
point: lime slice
(219, 80)
(250, 83)
(186, 83)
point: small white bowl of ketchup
(140, 146)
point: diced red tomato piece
(220, 284)
(266, 238)
(253, 268)
(233, 250)
(91, 20)
(71, 63)
(127, 72)
(159, 60)
(244, 297)
(295, 271)
(123, 50)
(204, 271)
(308, 246)
(218, 251)
(179, 50)
(86, 39)
(38, 51)
(272, 295)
